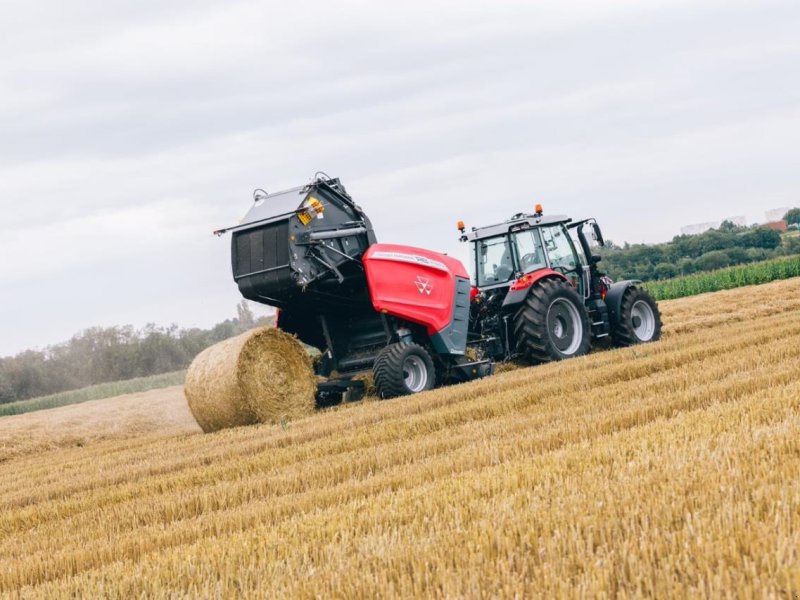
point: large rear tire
(552, 323)
(403, 369)
(639, 319)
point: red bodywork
(413, 284)
(527, 280)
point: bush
(711, 261)
(666, 270)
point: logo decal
(410, 258)
(424, 285)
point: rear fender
(520, 288)
(614, 297)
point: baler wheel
(402, 369)
(552, 323)
(639, 319)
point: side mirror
(598, 235)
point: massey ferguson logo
(424, 285)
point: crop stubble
(668, 469)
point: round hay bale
(261, 376)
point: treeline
(728, 246)
(105, 354)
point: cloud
(130, 130)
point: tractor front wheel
(552, 323)
(639, 319)
(402, 369)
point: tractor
(413, 317)
(540, 296)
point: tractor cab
(525, 245)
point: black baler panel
(259, 249)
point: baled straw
(261, 376)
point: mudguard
(615, 295)
(519, 289)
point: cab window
(559, 248)
(494, 261)
(529, 251)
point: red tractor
(412, 316)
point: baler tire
(402, 369)
(639, 319)
(537, 338)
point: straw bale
(261, 376)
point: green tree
(665, 270)
(737, 255)
(792, 217)
(710, 261)
(728, 226)
(791, 245)
(103, 354)
(762, 237)
(686, 266)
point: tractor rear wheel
(552, 323)
(403, 369)
(639, 319)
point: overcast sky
(129, 130)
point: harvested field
(155, 413)
(666, 470)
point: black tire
(546, 325)
(403, 369)
(639, 319)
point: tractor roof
(527, 221)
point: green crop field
(94, 392)
(726, 279)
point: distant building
(776, 214)
(777, 225)
(739, 221)
(699, 228)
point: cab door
(563, 256)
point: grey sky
(130, 130)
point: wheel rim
(643, 320)
(415, 374)
(565, 326)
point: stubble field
(671, 469)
